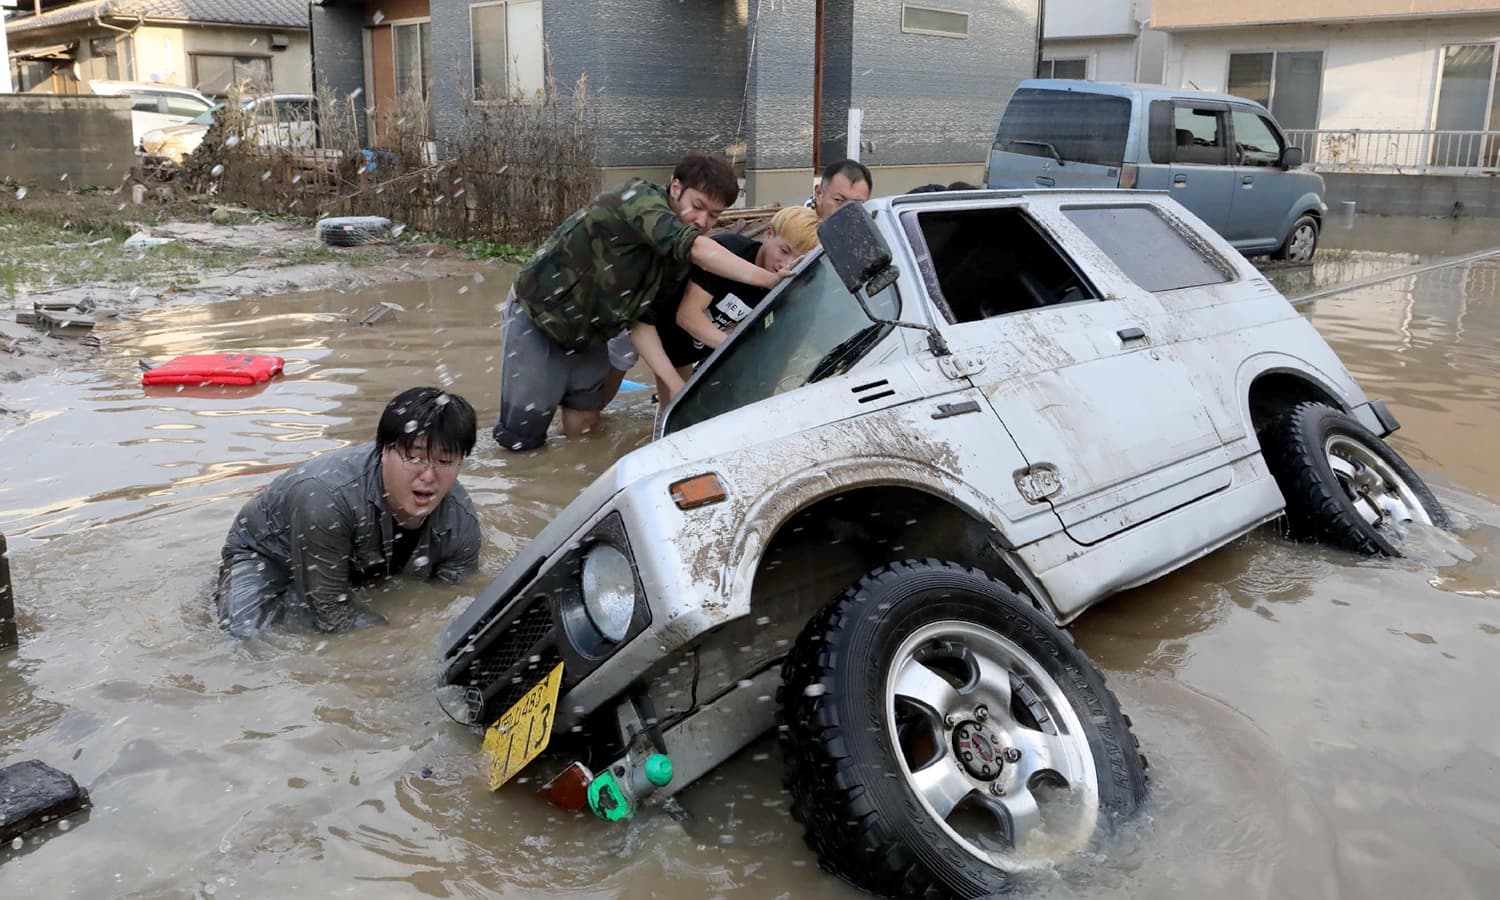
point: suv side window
(1198, 135)
(1148, 248)
(993, 262)
(185, 106)
(1255, 141)
(293, 110)
(145, 103)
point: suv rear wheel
(941, 736)
(1343, 485)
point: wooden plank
(56, 319)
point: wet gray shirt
(325, 524)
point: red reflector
(569, 788)
(700, 490)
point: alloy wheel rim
(1377, 491)
(990, 746)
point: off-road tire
(1285, 251)
(867, 826)
(1317, 507)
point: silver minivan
(1223, 157)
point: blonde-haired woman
(711, 306)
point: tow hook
(617, 792)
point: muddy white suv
(964, 421)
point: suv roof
(116, 88)
(1128, 89)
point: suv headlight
(608, 591)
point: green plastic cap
(658, 769)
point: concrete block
(32, 794)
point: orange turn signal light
(700, 490)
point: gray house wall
(338, 51)
(932, 100)
(779, 111)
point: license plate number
(522, 733)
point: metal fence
(1405, 152)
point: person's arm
(692, 316)
(711, 256)
(322, 539)
(648, 344)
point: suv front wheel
(941, 736)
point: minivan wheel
(1343, 485)
(1301, 242)
(941, 736)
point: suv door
(1201, 174)
(1110, 424)
(1263, 193)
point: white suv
(966, 419)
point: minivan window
(1198, 136)
(1081, 127)
(1255, 142)
(1148, 248)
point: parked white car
(965, 420)
(154, 106)
(279, 120)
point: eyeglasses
(414, 461)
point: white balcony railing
(1407, 152)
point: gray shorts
(622, 352)
(537, 375)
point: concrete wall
(1375, 75)
(338, 53)
(1110, 59)
(87, 138)
(1068, 19)
(162, 54)
(931, 100)
(1208, 13)
(1415, 195)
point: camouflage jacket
(602, 269)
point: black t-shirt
(403, 543)
(730, 302)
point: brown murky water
(1317, 725)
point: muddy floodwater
(1317, 725)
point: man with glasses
(353, 516)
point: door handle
(1130, 335)
(1247, 180)
(1045, 181)
(1179, 181)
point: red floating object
(215, 368)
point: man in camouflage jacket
(599, 272)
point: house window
(1290, 85)
(927, 20)
(104, 59)
(510, 56)
(1064, 68)
(1467, 102)
(215, 75)
(413, 57)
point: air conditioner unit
(280, 41)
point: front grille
(499, 661)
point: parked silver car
(964, 421)
(1223, 157)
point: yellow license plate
(522, 733)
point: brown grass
(512, 172)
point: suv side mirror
(1291, 157)
(857, 250)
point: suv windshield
(814, 329)
(1081, 127)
